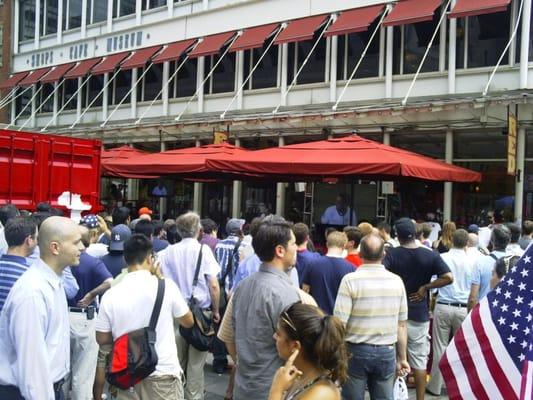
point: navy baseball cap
(405, 228)
(119, 234)
(473, 228)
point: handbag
(133, 356)
(400, 389)
(223, 301)
(202, 332)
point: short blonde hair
(366, 228)
(336, 239)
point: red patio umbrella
(342, 157)
(187, 162)
(111, 156)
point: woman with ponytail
(313, 345)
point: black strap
(158, 303)
(494, 256)
(197, 272)
(229, 267)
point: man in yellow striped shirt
(372, 304)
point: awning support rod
(167, 84)
(95, 98)
(14, 98)
(26, 106)
(42, 104)
(442, 18)
(223, 115)
(74, 95)
(284, 94)
(486, 90)
(8, 96)
(201, 87)
(127, 94)
(378, 27)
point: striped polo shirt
(11, 269)
(370, 303)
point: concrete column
(448, 186)
(284, 69)
(162, 200)
(84, 18)
(237, 193)
(138, 12)
(164, 94)
(105, 96)
(37, 23)
(388, 62)
(59, 22)
(197, 193)
(524, 44)
(109, 15)
(170, 8)
(206, 4)
(133, 95)
(132, 192)
(79, 98)
(451, 53)
(240, 78)
(519, 182)
(55, 103)
(386, 138)
(199, 85)
(280, 188)
(13, 111)
(333, 70)
(33, 105)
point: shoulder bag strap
(494, 256)
(198, 265)
(158, 303)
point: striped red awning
(301, 29)
(82, 68)
(13, 80)
(211, 45)
(57, 73)
(34, 77)
(109, 63)
(173, 51)
(357, 20)
(140, 57)
(470, 8)
(253, 37)
(411, 11)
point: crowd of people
(287, 322)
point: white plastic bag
(400, 389)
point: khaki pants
(83, 355)
(192, 362)
(446, 321)
(159, 387)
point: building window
(95, 85)
(184, 83)
(96, 11)
(315, 68)
(410, 44)
(149, 4)
(22, 101)
(266, 73)
(48, 105)
(26, 19)
(48, 12)
(121, 86)
(122, 8)
(223, 77)
(481, 40)
(71, 14)
(69, 87)
(349, 50)
(152, 82)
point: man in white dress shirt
(34, 324)
(339, 214)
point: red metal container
(40, 167)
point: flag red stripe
(525, 378)
(449, 378)
(468, 365)
(500, 377)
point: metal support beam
(197, 192)
(237, 193)
(451, 52)
(280, 188)
(162, 200)
(388, 62)
(448, 186)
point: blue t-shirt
(115, 263)
(303, 258)
(11, 269)
(90, 273)
(159, 244)
(324, 275)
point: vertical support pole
(448, 186)
(386, 138)
(240, 79)
(206, 4)
(84, 18)
(162, 200)
(170, 8)
(519, 182)
(333, 70)
(16, 24)
(79, 97)
(442, 43)
(133, 94)
(197, 191)
(33, 104)
(451, 53)
(524, 44)
(284, 69)
(164, 93)
(388, 62)
(199, 83)
(138, 12)
(105, 96)
(280, 188)
(382, 35)
(37, 23)
(237, 193)
(55, 103)
(60, 22)
(13, 111)
(109, 15)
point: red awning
(253, 37)
(121, 153)
(57, 73)
(188, 161)
(34, 76)
(82, 68)
(13, 80)
(173, 51)
(411, 11)
(140, 57)
(469, 8)
(349, 156)
(109, 63)
(352, 21)
(301, 29)
(211, 45)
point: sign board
(511, 144)
(387, 187)
(220, 137)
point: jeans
(370, 365)
(13, 393)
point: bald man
(34, 325)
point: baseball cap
(473, 228)
(90, 221)
(234, 225)
(405, 228)
(145, 210)
(119, 234)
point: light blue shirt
(332, 217)
(483, 272)
(461, 266)
(35, 334)
(251, 265)
(69, 282)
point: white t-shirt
(128, 306)
(435, 229)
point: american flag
(491, 356)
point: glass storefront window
(184, 82)
(430, 144)
(265, 75)
(222, 79)
(96, 11)
(96, 83)
(482, 144)
(152, 82)
(121, 86)
(258, 199)
(26, 19)
(315, 68)
(72, 9)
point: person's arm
(343, 302)
(284, 378)
(306, 288)
(97, 291)
(187, 321)
(402, 366)
(69, 283)
(104, 338)
(214, 291)
(325, 218)
(226, 332)
(442, 280)
(27, 328)
(473, 296)
(102, 225)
